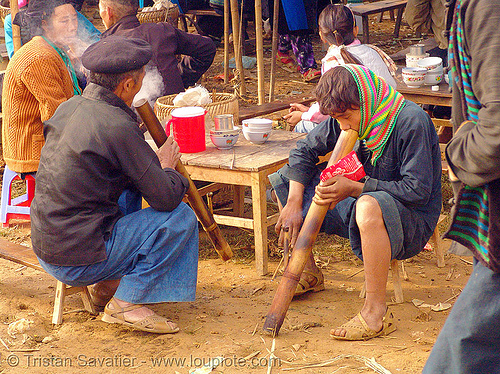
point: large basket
(3, 12)
(169, 15)
(222, 103)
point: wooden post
(274, 50)
(16, 30)
(235, 18)
(259, 45)
(226, 41)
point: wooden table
(366, 9)
(252, 164)
(424, 94)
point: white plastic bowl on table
(413, 77)
(224, 141)
(256, 136)
(431, 63)
(432, 79)
(257, 124)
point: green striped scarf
(474, 223)
(380, 106)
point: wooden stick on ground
(259, 46)
(226, 41)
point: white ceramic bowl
(257, 123)
(411, 60)
(432, 79)
(430, 63)
(226, 141)
(235, 130)
(413, 77)
(256, 137)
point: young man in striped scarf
(470, 339)
(392, 212)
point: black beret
(116, 54)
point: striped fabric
(471, 221)
(380, 106)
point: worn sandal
(316, 286)
(113, 313)
(287, 63)
(359, 330)
(311, 75)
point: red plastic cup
(188, 124)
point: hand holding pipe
(303, 246)
(200, 208)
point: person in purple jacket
(120, 18)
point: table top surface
(424, 93)
(247, 156)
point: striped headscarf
(474, 223)
(380, 106)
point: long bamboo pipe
(303, 246)
(200, 208)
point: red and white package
(349, 167)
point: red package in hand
(349, 167)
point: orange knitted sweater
(36, 82)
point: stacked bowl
(257, 130)
(413, 77)
(225, 134)
(434, 67)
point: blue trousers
(470, 339)
(155, 254)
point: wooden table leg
(238, 200)
(366, 34)
(260, 222)
(398, 22)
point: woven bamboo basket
(222, 103)
(3, 12)
(170, 15)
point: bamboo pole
(303, 246)
(200, 208)
(226, 41)
(274, 50)
(235, 18)
(259, 45)
(16, 30)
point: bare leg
(103, 291)
(376, 249)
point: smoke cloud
(152, 85)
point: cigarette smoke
(152, 85)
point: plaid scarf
(475, 220)
(380, 106)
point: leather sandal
(359, 330)
(287, 63)
(304, 286)
(113, 313)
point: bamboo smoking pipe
(200, 208)
(303, 246)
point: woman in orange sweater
(39, 77)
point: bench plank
(19, 254)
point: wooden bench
(366, 9)
(25, 256)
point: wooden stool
(25, 256)
(191, 15)
(396, 281)
(366, 9)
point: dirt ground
(224, 324)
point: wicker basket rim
(167, 101)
